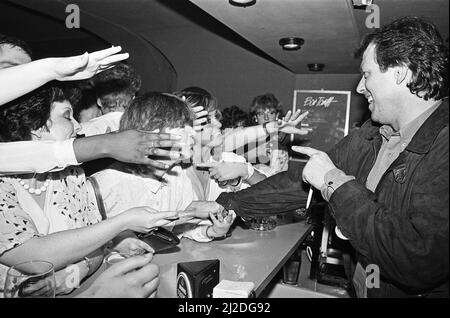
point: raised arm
(288, 125)
(21, 79)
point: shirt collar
(155, 185)
(408, 132)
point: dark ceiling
(332, 29)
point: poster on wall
(328, 119)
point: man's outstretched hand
(317, 166)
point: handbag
(159, 239)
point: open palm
(87, 65)
(289, 123)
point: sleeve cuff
(64, 153)
(333, 180)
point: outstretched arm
(21, 79)
(127, 146)
(69, 246)
(288, 125)
(280, 193)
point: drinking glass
(33, 279)
(263, 223)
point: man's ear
(401, 74)
(99, 102)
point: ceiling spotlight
(242, 3)
(316, 67)
(359, 3)
(291, 43)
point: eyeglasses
(267, 112)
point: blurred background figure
(88, 108)
(116, 88)
(234, 117)
(264, 109)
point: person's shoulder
(6, 185)
(110, 177)
(100, 124)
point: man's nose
(361, 88)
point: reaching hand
(135, 147)
(221, 224)
(201, 209)
(87, 65)
(289, 123)
(200, 117)
(134, 277)
(222, 171)
(133, 246)
(143, 219)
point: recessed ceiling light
(362, 2)
(316, 67)
(242, 3)
(291, 43)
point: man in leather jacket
(387, 183)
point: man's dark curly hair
(15, 42)
(417, 44)
(30, 112)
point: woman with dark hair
(52, 216)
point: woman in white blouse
(51, 216)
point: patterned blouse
(69, 204)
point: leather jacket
(402, 227)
